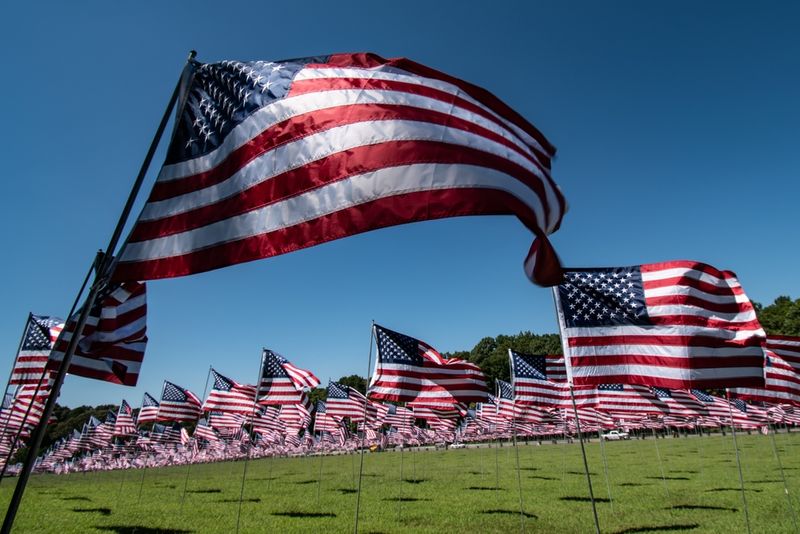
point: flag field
(441, 491)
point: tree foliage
(782, 317)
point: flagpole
(363, 434)
(103, 272)
(783, 476)
(252, 416)
(189, 464)
(568, 367)
(144, 463)
(738, 460)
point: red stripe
(332, 84)
(688, 281)
(689, 362)
(670, 341)
(697, 320)
(368, 60)
(691, 300)
(399, 209)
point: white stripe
(688, 290)
(675, 272)
(688, 309)
(317, 146)
(330, 199)
(677, 330)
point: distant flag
(409, 369)
(204, 432)
(786, 348)
(680, 403)
(345, 401)
(622, 398)
(505, 399)
(124, 422)
(677, 324)
(178, 404)
(716, 407)
(229, 396)
(782, 382)
(281, 381)
(323, 420)
(114, 339)
(40, 334)
(542, 381)
(306, 151)
(149, 410)
(399, 417)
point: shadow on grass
(128, 529)
(734, 489)
(306, 481)
(345, 491)
(514, 512)
(485, 488)
(103, 511)
(765, 481)
(304, 514)
(633, 484)
(207, 490)
(76, 498)
(405, 499)
(415, 480)
(583, 499)
(689, 471)
(667, 478)
(700, 507)
(582, 473)
(658, 528)
(254, 499)
(170, 486)
(540, 477)
(528, 468)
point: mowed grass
(466, 490)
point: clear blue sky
(677, 126)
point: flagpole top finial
(192, 54)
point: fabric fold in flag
(282, 382)
(178, 404)
(114, 338)
(272, 157)
(411, 370)
(229, 396)
(674, 325)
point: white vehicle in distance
(615, 435)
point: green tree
(359, 383)
(782, 317)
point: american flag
(281, 381)
(271, 157)
(409, 369)
(782, 382)
(400, 418)
(149, 410)
(229, 396)
(506, 407)
(40, 334)
(344, 401)
(28, 400)
(621, 398)
(227, 424)
(267, 420)
(204, 432)
(716, 407)
(113, 342)
(124, 425)
(296, 415)
(324, 421)
(680, 403)
(677, 324)
(542, 381)
(178, 404)
(787, 348)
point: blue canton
(224, 94)
(149, 401)
(529, 366)
(173, 393)
(394, 347)
(337, 391)
(37, 338)
(321, 408)
(220, 382)
(272, 365)
(702, 396)
(610, 387)
(662, 393)
(504, 390)
(603, 297)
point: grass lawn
(465, 490)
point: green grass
(443, 491)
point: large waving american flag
(149, 410)
(786, 348)
(782, 382)
(114, 338)
(678, 324)
(271, 157)
(40, 334)
(229, 396)
(409, 369)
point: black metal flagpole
(363, 434)
(188, 463)
(104, 270)
(250, 441)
